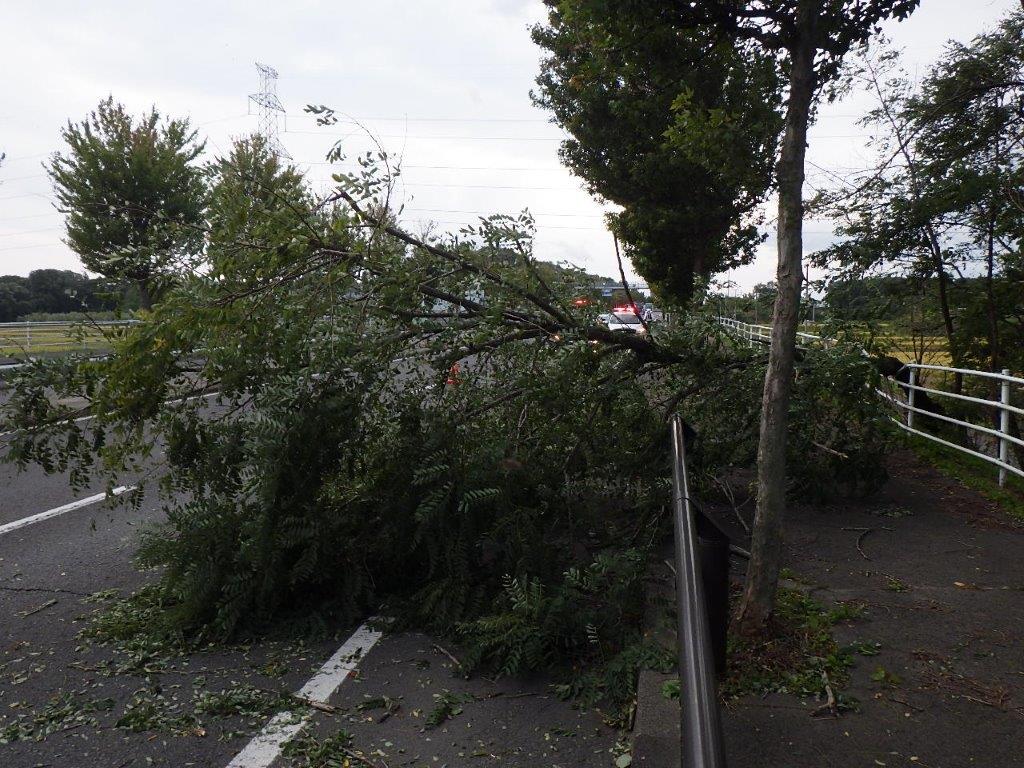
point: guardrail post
(1004, 427)
(910, 397)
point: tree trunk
(994, 347)
(942, 277)
(947, 324)
(145, 298)
(766, 547)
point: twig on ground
(454, 660)
(313, 703)
(389, 711)
(45, 589)
(906, 704)
(830, 705)
(42, 607)
(860, 539)
(317, 705)
(826, 449)
(362, 759)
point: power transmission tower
(270, 107)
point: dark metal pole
(701, 734)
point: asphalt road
(65, 701)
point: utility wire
(31, 231)
(486, 213)
(30, 216)
(550, 169)
(22, 178)
(420, 136)
(24, 247)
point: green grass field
(36, 339)
(933, 350)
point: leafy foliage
(943, 207)
(133, 196)
(65, 710)
(802, 661)
(679, 130)
(344, 467)
(54, 292)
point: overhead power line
(30, 231)
(486, 213)
(357, 132)
(26, 194)
(25, 247)
(357, 120)
(31, 216)
(399, 182)
(548, 121)
(25, 157)
(549, 169)
(419, 136)
(22, 178)
(540, 227)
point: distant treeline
(59, 292)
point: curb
(656, 725)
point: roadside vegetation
(60, 294)
(347, 467)
(353, 419)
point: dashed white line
(266, 746)
(62, 509)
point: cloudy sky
(442, 83)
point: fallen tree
(345, 466)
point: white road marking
(61, 510)
(266, 746)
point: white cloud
(444, 83)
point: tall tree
(943, 203)
(806, 40)
(254, 198)
(132, 193)
(642, 106)
(811, 37)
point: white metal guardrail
(44, 335)
(753, 333)
(21, 334)
(908, 409)
(1003, 406)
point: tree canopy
(355, 417)
(943, 206)
(55, 291)
(132, 193)
(679, 130)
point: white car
(624, 322)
